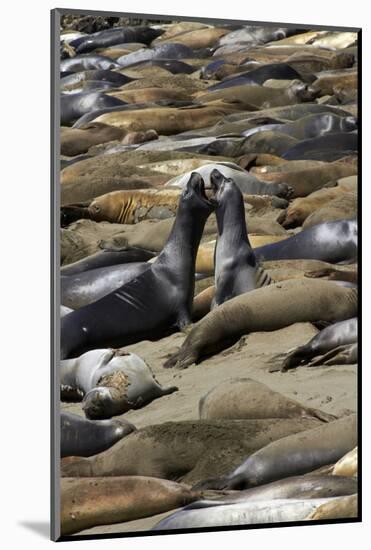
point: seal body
(157, 300)
(82, 437)
(236, 269)
(330, 338)
(73, 106)
(329, 242)
(110, 382)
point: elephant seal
(297, 487)
(82, 437)
(328, 147)
(112, 77)
(190, 450)
(89, 502)
(161, 51)
(88, 62)
(341, 208)
(160, 298)
(76, 141)
(347, 465)
(114, 36)
(262, 310)
(107, 257)
(247, 183)
(301, 208)
(246, 398)
(85, 288)
(260, 97)
(242, 513)
(236, 269)
(328, 339)
(293, 455)
(329, 242)
(111, 382)
(125, 206)
(339, 508)
(258, 76)
(73, 106)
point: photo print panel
(205, 285)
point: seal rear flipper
(217, 484)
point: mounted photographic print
(205, 286)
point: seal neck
(230, 218)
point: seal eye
(96, 208)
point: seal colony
(209, 296)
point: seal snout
(197, 185)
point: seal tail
(324, 417)
(169, 390)
(216, 484)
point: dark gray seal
(329, 242)
(110, 382)
(88, 62)
(278, 71)
(163, 51)
(236, 268)
(101, 75)
(113, 36)
(328, 147)
(74, 106)
(82, 437)
(85, 288)
(107, 257)
(156, 301)
(327, 340)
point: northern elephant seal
(89, 502)
(73, 106)
(82, 437)
(242, 513)
(347, 465)
(236, 268)
(156, 301)
(190, 450)
(327, 340)
(107, 257)
(293, 455)
(265, 309)
(329, 242)
(247, 398)
(110, 382)
(339, 508)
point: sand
(331, 389)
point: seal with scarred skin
(246, 398)
(89, 502)
(190, 450)
(293, 455)
(265, 309)
(328, 340)
(82, 437)
(110, 382)
(154, 302)
(82, 289)
(236, 268)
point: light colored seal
(246, 398)
(103, 501)
(264, 309)
(347, 465)
(242, 513)
(110, 382)
(191, 450)
(339, 508)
